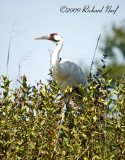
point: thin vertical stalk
(105, 132)
(94, 57)
(8, 55)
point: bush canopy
(36, 123)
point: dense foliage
(35, 124)
(113, 45)
(115, 39)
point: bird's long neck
(56, 53)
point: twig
(10, 41)
(94, 56)
(8, 56)
(105, 133)
(62, 119)
(83, 152)
(25, 56)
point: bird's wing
(72, 72)
(68, 73)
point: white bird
(65, 72)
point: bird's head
(52, 37)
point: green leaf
(95, 118)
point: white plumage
(65, 72)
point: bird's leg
(71, 102)
(67, 108)
(67, 105)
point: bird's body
(65, 72)
(68, 74)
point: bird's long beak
(43, 37)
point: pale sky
(33, 18)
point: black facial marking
(52, 37)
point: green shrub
(34, 123)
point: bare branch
(94, 56)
